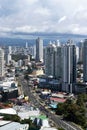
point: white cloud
(62, 19)
(25, 29)
(5, 29)
(41, 15)
(28, 29)
(42, 11)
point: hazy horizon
(31, 39)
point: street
(35, 100)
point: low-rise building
(9, 111)
(8, 125)
(25, 112)
(37, 72)
(48, 128)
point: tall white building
(1, 62)
(50, 60)
(8, 53)
(77, 54)
(26, 46)
(39, 49)
(81, 44)
(69, 67)
(32, 50)
(58, 62)
(53, 60)
(85, 60)
(9, 50)
(8, 58)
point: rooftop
(24, 112)
(48, 128)
(61, 100)
(13, 126)
(8, 111)
(2, 122)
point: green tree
(80, 100)
(60, 129)
(60, 109)
(26, 77)
(32, 126)
(29, 70)
(11, 117)
(74, 111)
(19, 57)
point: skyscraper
(85, 60)
(69, 66)
(8, 52)
(77, 54)
(53, 60)
(26, 46)
(58, 62)
(50, 60)
(1, 62)
(81, 51)
(9, 49)
(39, 49)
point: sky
(28, 16)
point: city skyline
(28, 16)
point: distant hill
(47, 37)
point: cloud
(5, 29)
(25, 29)
(42, 11)
(62, 19)
(43, 16)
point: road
(35, 100)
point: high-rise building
(85, 60)
(8, 52)
(32, 50)
(77, 54)
(53, 60)
(26, 46)
(69, 67)
(8, 58)
(50, 60)
(39, 49)
(81, 51)
(1, 62)
(58, 62)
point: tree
(19, 57)
(9, 70)
(28, 121)
(26, 77)
(74, 111)
(60, 109)
(70, 113)
(80, 63)
(32, 126)
(11, 117)
(29, 70)
(80, 100)
(60, 129)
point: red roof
(61, 100)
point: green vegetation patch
(19, 57)
(42, 117)
(74, 111)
